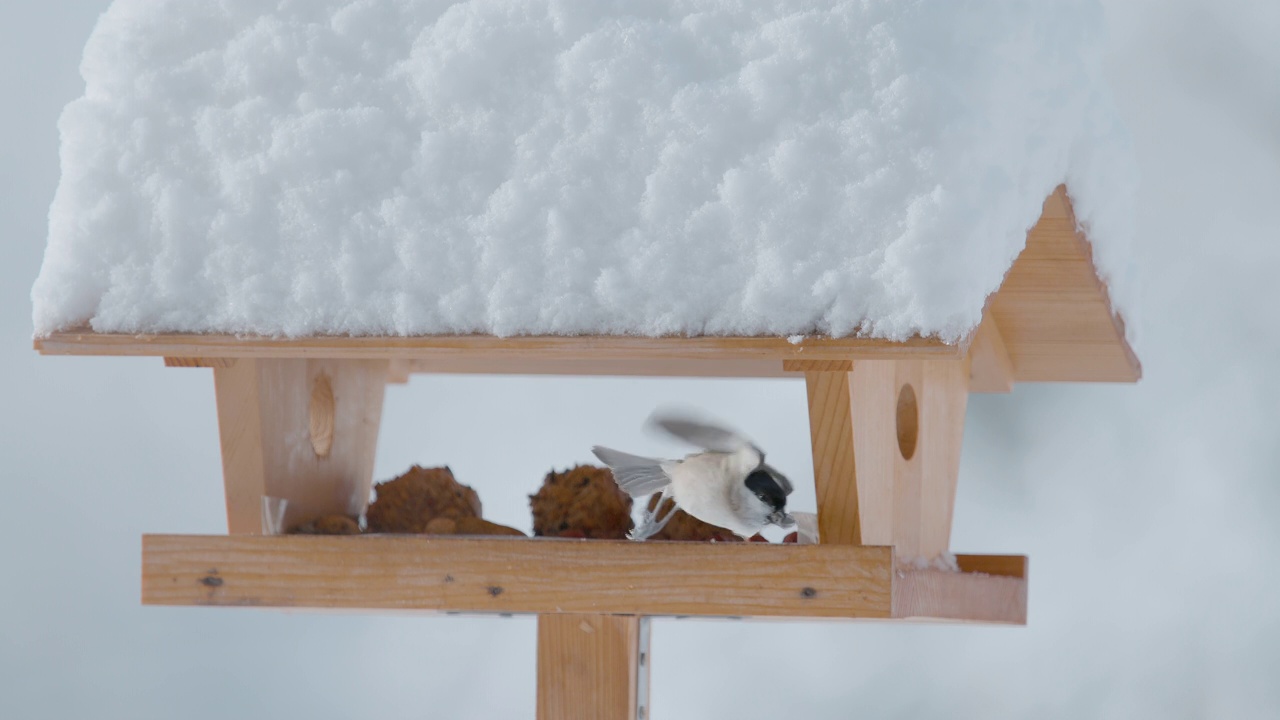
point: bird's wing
(703, 435)
(637, 476)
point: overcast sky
(1148, 511)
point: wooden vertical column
(886, 450)
(299, 429)
(593, 667)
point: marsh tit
(728, 484)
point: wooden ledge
(512, 575)
(444, 349)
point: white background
(1149, 511)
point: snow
(542, 166)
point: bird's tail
(637, 476)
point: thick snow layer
(551, 166)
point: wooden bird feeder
(299, 418)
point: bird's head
(769, 489)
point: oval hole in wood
(322, 415)
(908, 421)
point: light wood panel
(1054, 314)
(990, 369)
(302, 430)
(943, 595)
(510, 575)
(542, 575)
(589, 667)
(512, 350)
(886, 443)
(545, 576)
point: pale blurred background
(1149, 511)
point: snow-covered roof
(558, 167)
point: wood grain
(882, 477)
(1055, 315)
(807, 366)
(273, 425)
(874, 391)
(831, 437)
(554, 576)
(990, 369)
(944, 396)
(943, 595)
(514, 575)
(589, 667)
(511, 350)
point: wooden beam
(644, 367)
(995, 594)
(510, 575)
(543, 576)
(831, 436)
(590, 667)
(511, 351)
(301, 430)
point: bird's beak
(781, 519)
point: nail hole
(908, 421)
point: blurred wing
(699, 434)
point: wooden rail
(553, 576)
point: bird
(728, 484)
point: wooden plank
(514, 575)
(557, 576)
(943, 398)
(506, 355)
(959, 596)
(873, 390)
(651, 367)
(298, 429)
(589, 667)
(1054, 314)
(808, 366)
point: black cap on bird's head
(772, 488)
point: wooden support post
(593, 667)
(886, 451)
(299, 429)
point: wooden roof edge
(1063, 196)
(1053, 311)
(84, 341)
